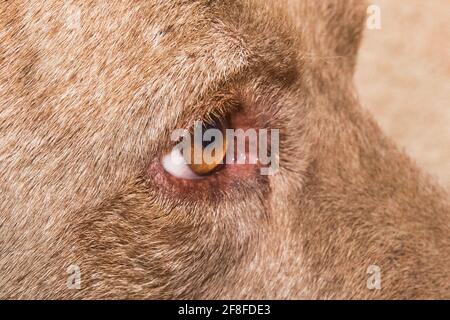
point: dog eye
(201, 155)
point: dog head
(90, 94)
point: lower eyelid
(233, 184)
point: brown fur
(85, 113)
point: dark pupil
(207, 127)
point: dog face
(90, 94)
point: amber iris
(215, 161)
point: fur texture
(86, 111)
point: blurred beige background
(403, 78)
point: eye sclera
(176, 165)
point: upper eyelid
(211, 118)
(225, 102)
